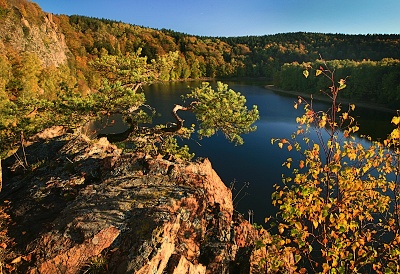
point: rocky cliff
(72, 204)
(24, 27)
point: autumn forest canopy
(61, 79)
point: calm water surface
(257, 162)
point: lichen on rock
(88, 199)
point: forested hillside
(367, 80)
(50, 63)
(182, 56)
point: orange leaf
(16, 260)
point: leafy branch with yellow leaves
(339, 207)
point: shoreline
(320, 97)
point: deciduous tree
(339, 209)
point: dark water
(257, 162)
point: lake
(257, 162)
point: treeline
(371, 81)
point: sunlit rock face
(83, 204)
(41, 37)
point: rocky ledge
(76, 205)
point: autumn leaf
(315, 223)
(355, 128)
(395, 134)
(318, 72)
(17, 260)
(396, 120)
(306, 73)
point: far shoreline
(321, 97)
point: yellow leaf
(306, 73)
(396, 120)
(16, 260)
(326, 267)
(288, 164)
(353, 107)
(295, 106)
(280, 145)
(345, 115)
(318, 72)
(315, 223)
(395, 134)
(298, 226)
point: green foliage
(222, 110)
(216, 110)
(128, 69)
(171, 148)
(38, 97)
(339, 210)
(371, 81)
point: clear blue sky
(242, 17)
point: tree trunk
(1, 176)
(120, 137)
(179, 120)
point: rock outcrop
(79, 205)
(36, 33)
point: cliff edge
(73, 204)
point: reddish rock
(71, 260)
(90, 203)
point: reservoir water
(257, 162)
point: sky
(224, 18)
